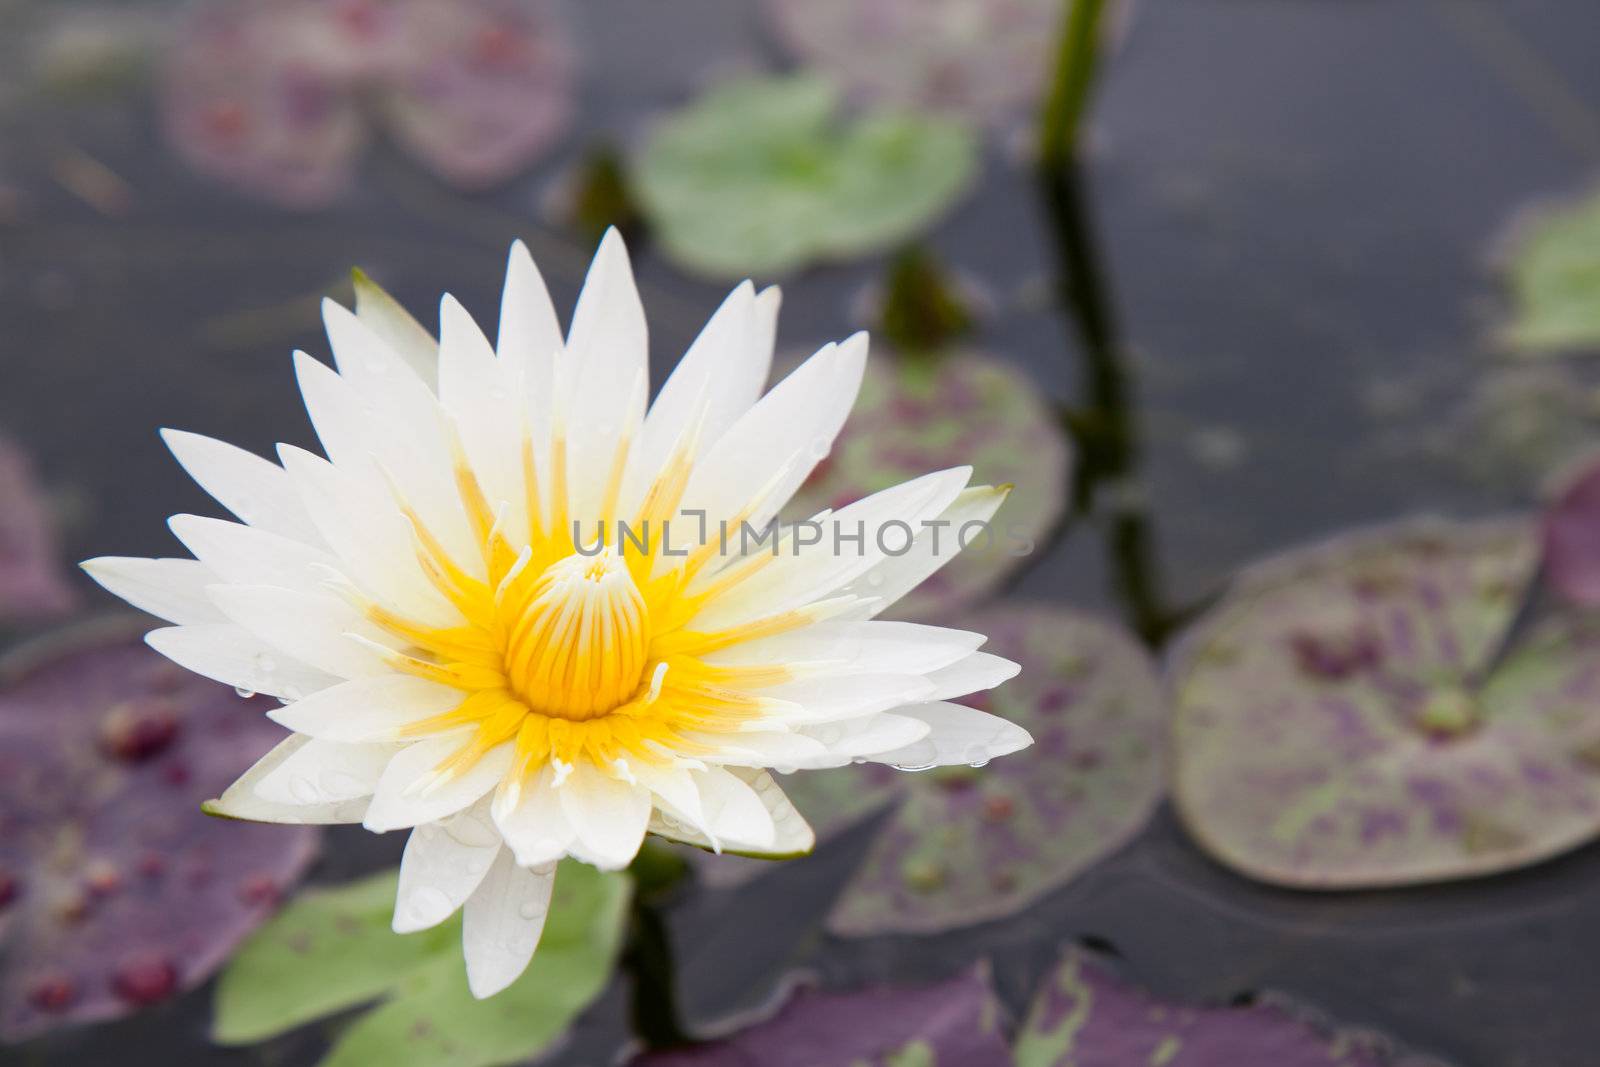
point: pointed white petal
(792, 836)
(483, 397)
(894, 577)
(239, 800)
(530, 333)
(761, 748)
(608, 816)
(860, 738)
(244, 555)
(444, 863)
(367, 709)
(735, 812)
(974, 674)
(254, 489)
(959, 734)
(395, 326)
(233, 655)
(674, 787)
(323, 772)
(834, 698)
(535, 827)
(171, 589)
(409, 794)
(503, 922)
(853, 647)
(314, 628)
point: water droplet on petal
(530, 909)
(426, 906)
(243, 692)
(820, 447)
(304, 790)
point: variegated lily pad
(1335, 727)
(983, 59)
(276, 96)
(115, 891)
(1085, 1016)
(1552, 263)
(31, 583)
(760, 176)
(952, 1024)
(1571, 534)
(920, 414)
(965, 846)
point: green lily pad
(1334, 728)
(967, 845)
(1552, 264)
(760, 177)
(1086, 1016)
(333, 949)
(920, 414)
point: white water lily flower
(456, 659)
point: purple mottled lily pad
(276, 97)
(1085, 1016)
(1571, 532)
(982, 59)
(1335, 728)
(952, 1024)
(968, 844)
(115, 891)
(31, 583)
(915, 416)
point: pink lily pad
(115, 891)
(1571, 532)
(277, 96)
(32, 585)
(918, 415)
(1338, 724)
(953, 1024)
(1085, 1016)
(965, 845)
(983, 59)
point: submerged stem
(1076, 64)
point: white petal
(761, 748)
(674, 787)
(503, 922)
(483, 397)
(245, 555)
(535, 827)
(235, 656)
(974, 674)
(323, 772)
(443, 863)
(853, 647)
(896, 576)
(530, 333)
(604, 373)
(171, 589)
(792, 836)
(408, 793)
(395, 326)
(367, 709)
(959, 735)
(240, 801)
(735, 812)
(608, 816)
(254, 489)
(831, 699)
(859, 738)
(773, 447)
(314, 628)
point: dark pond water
(1295, 199)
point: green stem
(656, 872)
(1077, 62)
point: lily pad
(952, 1024)
(760, 176)
(1571, 533)
(277, 97)
(920, 414)
(981, 59)
(333, 949)
(115, 891)
(1335, 728)
(1085, 1016)
(965, 846)
(1552, 264)
(32, 585)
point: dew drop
(977, 756)
(243, 692)
(529, 909)
(913, 768)
(820, 447)
(875, 578)
(426, 905)
(265, 663)
(304, 790)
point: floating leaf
(333, 949)
(966, 846)
(115, 891)
(1553, 270)
(31, 583)
(1334, 730)
(916, 415)
(759, 176)
(276, 96)
(1571, 534)
(984, 59)
(953, 1024)
(1084, 1016)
